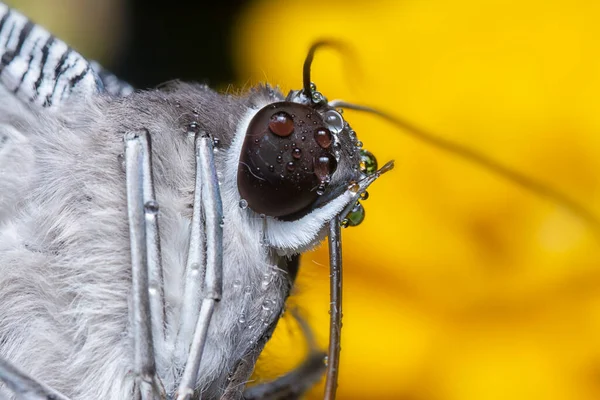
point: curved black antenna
(483, 161)
(309, 59)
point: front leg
(146, 307)
(207, 200)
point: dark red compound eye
(286, 159)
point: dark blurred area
(187, 40)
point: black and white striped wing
(41, 69)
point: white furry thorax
(64, 253)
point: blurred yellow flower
(458, 285)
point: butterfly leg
(202, 290)
(24, 386)
(147, 307)
(294, 384)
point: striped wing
(41, 69)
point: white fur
(64, 253)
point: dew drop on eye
(323, 138)
(334, 121)
(325, 166)
(281, 124)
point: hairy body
(64, 249)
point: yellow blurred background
(458, 285)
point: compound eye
(286, 159)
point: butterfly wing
(41, 69)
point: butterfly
(239, 186)
(156, 186)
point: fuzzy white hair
(64, 248)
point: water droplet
(256, 140)
(279, 159)
(271, 168)
(247, 289)
(323, 138)
(324, 167)
(153, 290)
(222, 223)
(193, 127)
(359, 144)
(195, 266)
(334, 121)
(266, 281)
(242, 319)
(281, 124)
(364, 195)
(297, 153)
(216, 142)
(303, 138)
(266, 305)
(356, 216)
(237, 284)
(321, 189)
(290, 166)
(368, 162)
(318, 97)
(286, 146)
(151, 207)
(313, 87)
(325, 360)
(121, 161)
(243, 204)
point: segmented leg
(145, 248)
(25, 387)
(192, 292)
(155, 270)
(292, 385)
(335, 293)
(243, 370)
(295, 383)
(207, 204)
